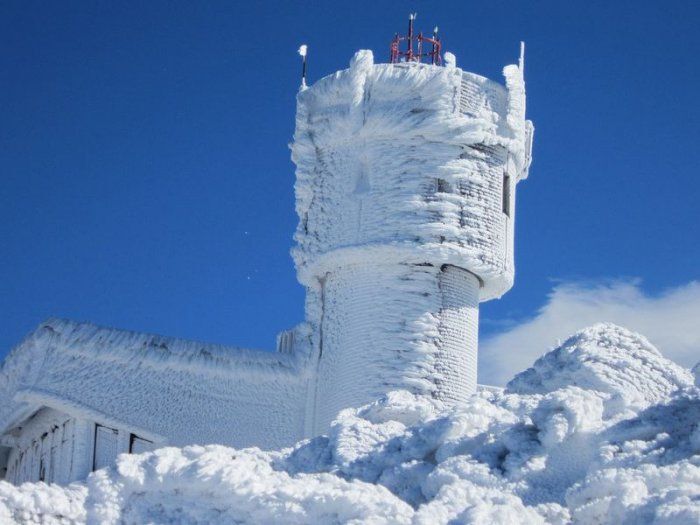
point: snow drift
(603, 429)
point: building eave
(37, 398)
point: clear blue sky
(145, 176)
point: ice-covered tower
(405, 191)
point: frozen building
(405, 190)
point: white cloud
(670, 320)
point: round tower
(405, 191)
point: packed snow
(603, 429)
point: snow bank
(601, 430)
(215, 484)
(41, 503)
(608, 359)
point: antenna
(521, 60)
(302, 53)
(411, 54)
(435, 51)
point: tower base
(395, 326)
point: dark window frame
(134, 437)
(94, 443)
(505, 204)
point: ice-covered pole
(411, 18)
(435, 53)
(302, 53)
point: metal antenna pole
(415, 53)
(409, 53)
(434, 52)
(302, 53)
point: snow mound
(601, 430)
(605, 358)
(215, 484)
(41, 503)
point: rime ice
(405, 192)
(570, 441)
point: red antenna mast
(410, 55)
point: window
(506, 194)
(105, 451)
(442, 186)
(138, 445)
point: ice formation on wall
(161, 388)
(405, 189)
(405, 193)
(577, 438)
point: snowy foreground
(601, 430)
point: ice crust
(402, 175)
(371, 143)
(602, 429)
(157, 386)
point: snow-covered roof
(181, 391)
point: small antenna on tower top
(521, 60)
(302, 52)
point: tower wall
(459, 334)
(405, 190)
(395, 326)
